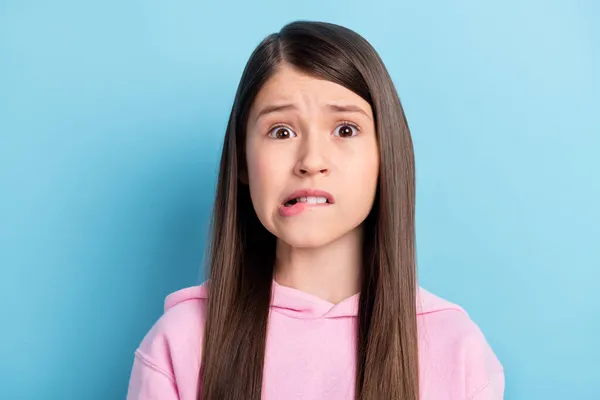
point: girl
(312, 292)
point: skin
(323, 137)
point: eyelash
(341, 123)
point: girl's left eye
(346, 130)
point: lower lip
(298, 208)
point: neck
(330, 272)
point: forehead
(290, 86)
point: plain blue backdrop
(112, 115)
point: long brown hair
(242, 251)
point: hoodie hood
(297, 304)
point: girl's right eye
(282, 132)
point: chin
(300, 239)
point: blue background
(112, 115)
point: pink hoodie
(310, 353)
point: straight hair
(242, 251)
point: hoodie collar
(297, 304)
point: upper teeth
(312, 200)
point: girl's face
(312, 158)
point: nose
(313, 158)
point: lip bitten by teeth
(308, 200)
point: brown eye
(282, 132)
(346, 131)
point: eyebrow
(339, 108)
(274, 108)
(348, 108)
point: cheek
(361, 183)
(258, 171)
(264, 176)
(372, 161)
(365, 166)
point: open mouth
(308, 200)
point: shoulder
(453, 346)
(167, 361)
(437, 315)
(436, 312)
(176, 337)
